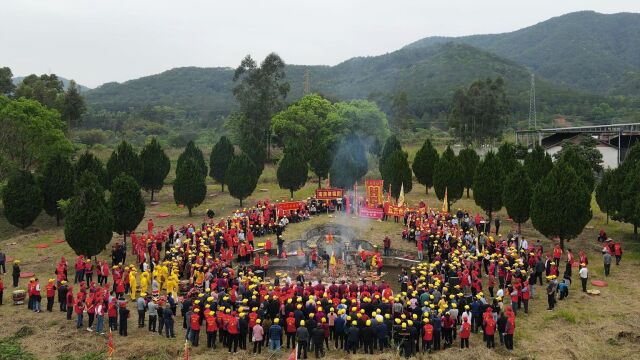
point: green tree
(124, 160)
(618, 182)
(6, 81)
(73, 105)
(220, 158)
(469, 160)
(400, 109)
(480, 113)
(630, 206)
(424, 163)
(391, 145)
(57, 182)
(256, 153)
(587, 149)
(320, 161)
(488, 184)
(580, 165)
(308, 118)
(126, 205)
(362, 118)
(30, 133)
(350, 163)
(507, 155)
(398, 173)
(22, 199)
(537, 163)
(88, 227)
(604, 192)
(46, 89)
(189, 187)
(447, 177)
(292, 169)
(155, 166)
(89, 162)
(561, 204)
(517, 194)
(261, 92)
(241, 178)
(191, 151)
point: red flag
(294, 354)
(110, 345)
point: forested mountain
(190, 89)
(429, 76)
(579, 59)
(585, 50)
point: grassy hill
(566, 48)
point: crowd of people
(215, 278)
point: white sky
(97, 41)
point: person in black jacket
(502, 325)
(63, 289)
(243, 326)
(167, 316)
(16, 273)
(353, 335)
(124, 316)
(367, 337)
(302, 336)
(381, 335)
(317, 337)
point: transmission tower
(307, 82)
(532, 104)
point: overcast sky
(97, 41)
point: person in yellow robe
(133, 284)
(144, 282)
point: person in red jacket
(1, 290)
(525, 293)
(617, 250)
(510, 329)
(70, 302)
(233, 332)
(427, 337)
(51, 293)
(212, 329)
(489, 332)
(465, 332)
(112, 313)
(557, 254)
(447, 329)
(195, 327)
(265, 263)
(290, 329)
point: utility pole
(307, 83)
(532, 104)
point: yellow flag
(401, 197)
(445, 202)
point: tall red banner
(374, 192)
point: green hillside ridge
(585, 50)
(429, 75)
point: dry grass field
(581, 327)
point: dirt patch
(629, 336)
